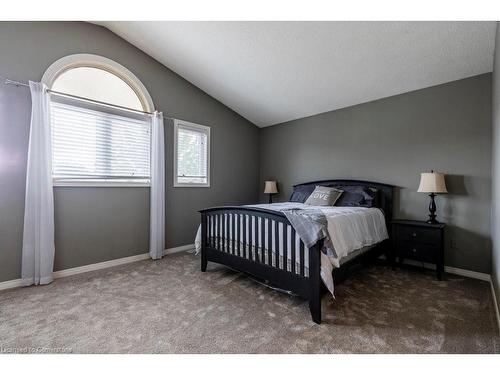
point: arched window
(97, 84)
(100, 123)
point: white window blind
(192, 154)
(90, 144)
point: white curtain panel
(157, 193)
(38, 234)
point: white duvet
(350, 229)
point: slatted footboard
(262, 243)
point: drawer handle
(414, 234)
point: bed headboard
(385, 191)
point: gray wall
(446, 128)
(98, 224)
(495, 228)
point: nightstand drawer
(416, 251)
(418, 235)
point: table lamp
(270, 188)
(432, 183)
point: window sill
(191, 185)
(99, 183)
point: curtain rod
(17, 83)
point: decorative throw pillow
(323, 196)
(357, 196)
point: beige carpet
(169, 306)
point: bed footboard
(262, 243)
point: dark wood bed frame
(236, 255)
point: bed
(263, 240)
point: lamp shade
(270, 187)
(432, 182)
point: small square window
(191, 154)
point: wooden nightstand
(420, 241)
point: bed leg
(203, 262)
(203, 242)
(315, 281)
(315, 308)
(390, 254)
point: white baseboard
(495, 302)
(468, 273)
(97, 266)
(452, 270)
(178, 249)
(11, 284)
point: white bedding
(350, 229)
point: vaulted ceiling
(272, 72)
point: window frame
(99, 62)
(202, 129)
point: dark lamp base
(432, 210)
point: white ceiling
(272, 72)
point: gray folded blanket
(311, 226)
